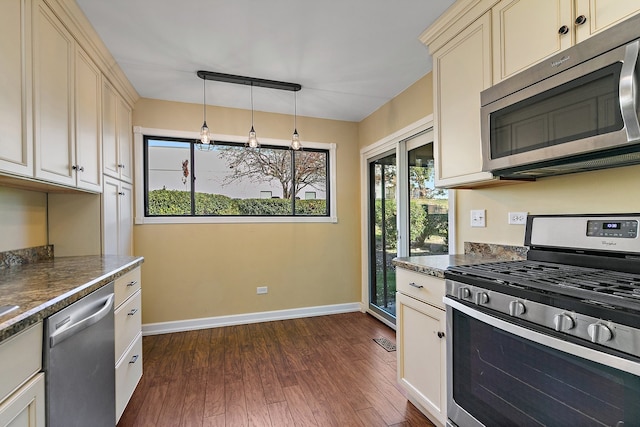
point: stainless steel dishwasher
(79, 363)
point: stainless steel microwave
(573, 112)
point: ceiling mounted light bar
(251, 81)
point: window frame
(140, 189)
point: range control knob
(481, 298)
(464, 293)
(563, 322)
(599, 333)
(516, 308)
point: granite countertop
(435, 265)
(45, 287)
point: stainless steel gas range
(553, 340)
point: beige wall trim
(243, 319)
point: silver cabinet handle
(132, 283)
(121, 166)
(132, 312)
(134, 359)
(416, 286)
(78, 168)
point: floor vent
(386, 344)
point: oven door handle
(546, 340)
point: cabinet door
(88, 167)
(602, 14)
(109, 130)
(422, 355)
(462, 69)
(125, 219)
(16, 143)
(25, 408)
(110, 216)
(525, 32)
(53, 98)
(125, 146)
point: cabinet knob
(563, 30)
(77, 168)
(121, 193)
(440, 334)
(121, 166)
(581, 20)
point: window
(232, 180)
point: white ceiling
(350, 56)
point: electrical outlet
(478, 218)
(517, 218)
(262, 290)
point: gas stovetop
(605, 287)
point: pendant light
(252, 142)
(205, 137)
(295, 139)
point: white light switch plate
(478, 218)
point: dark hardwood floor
(318, 371)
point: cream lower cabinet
(421, 342)
(22, 396)
(526, 31)
(128, 337)
(461, 70)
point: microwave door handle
(629, 91)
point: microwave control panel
(625, 229)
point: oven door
(503, 374)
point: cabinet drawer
(20, 359)
(126, 285)
(128, 374)
(128, 323)
(420, 286)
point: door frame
(394, 142)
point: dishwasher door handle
(62, 334)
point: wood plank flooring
(318, 371)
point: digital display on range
(611, 225)
(625, 229)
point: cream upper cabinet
(601, 14)
(54, 49)
(527, 31)
(461, 70)
(88, 81)
(116, 134)
(67, 107)
(16, 141)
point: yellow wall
(413, 104)
(605, 191)
(206, 270)
(23, 219)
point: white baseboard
(243, 319)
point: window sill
(234, 220)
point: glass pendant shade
(205, 136)
(253, 141)
(295, 140)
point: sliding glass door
(383, 235)
(407, 215)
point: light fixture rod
(252, 81)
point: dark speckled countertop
(45, 287)
(435, 265)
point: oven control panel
(624, 229)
